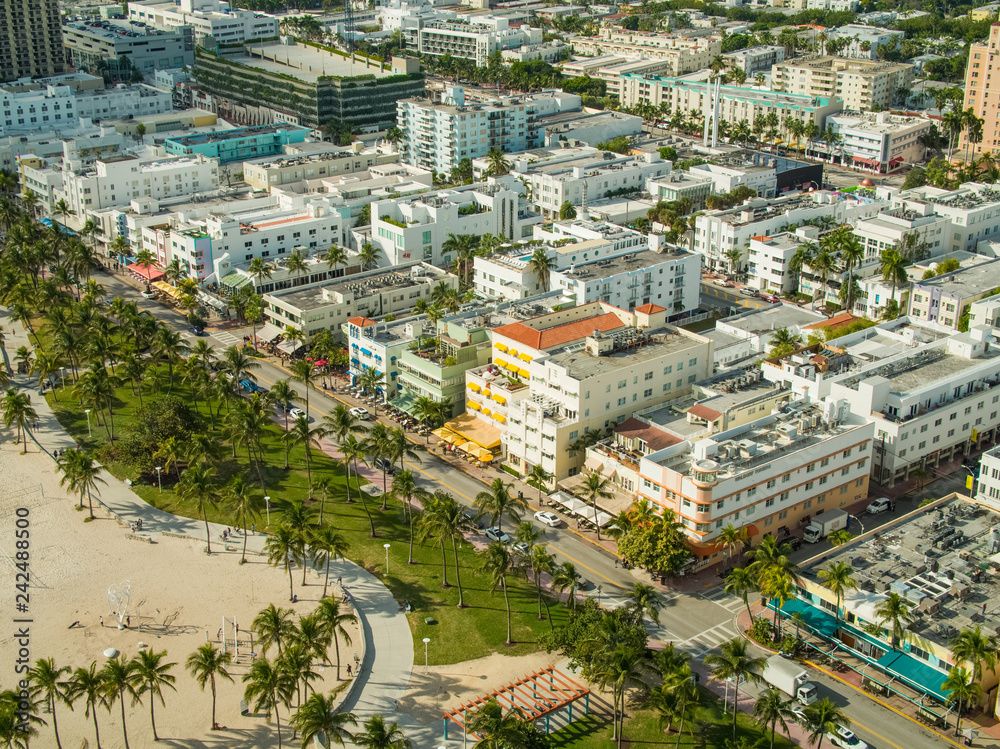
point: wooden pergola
(538, 695)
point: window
(783, 514)
(809, 485)
(771, 483)
(786, 478)
(751, 491)
(825, 462)
(720, 504)
(823, 480)
(667, 370)
(810, 468)
(647, 393)
(648, 376)
(859, 483)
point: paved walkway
(388, 662)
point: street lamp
(89, 433)
(426, 640)
(267, 501)
(62, 371)
(386, 558)
(599, 589)
(159, 480)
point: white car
(880, 505)
(359, 412)
(799, 711)
(845, 739)
(495, 534)
(295, 413)
(549, 518)
(148, 295)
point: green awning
(817, 620)
(235, 281)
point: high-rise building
(30, 39)
(983, 60)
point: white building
(889, 227)
(123, 101)
(988, 481)
(769, 258)
(686, 54)
(438, 135)
(865, 40)
(265, 174)
(849, 6)
(880, 140)
(208, 18)
(753, 60)
(581, 175)
(578, 370)
(718, 231)
(473, 41)
(417, 227)
(729, 173)
(757, 327)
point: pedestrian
(616, 562)
(251, 527)
(218, 635)
(102, 621)
(340, 582)
(984, 608)
(348, 669)
(128, 622)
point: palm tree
(976, 649)
(897, 612)
(273, 626)
(538, 477)
(963, 689)
(542, 266)
(301, 434)
(594, 487)
(47, 682)
(333, 622)
(89, 684)
(259, 269)
(327, 544)
(500, 729)
(196, 484)
(283, 547)
(369, 255)
(731, 537)
(303, 371)
(741, 583)
(838, 578)
(447, 519)
(823, 718)
(268, 687)
(152, 675)
(318, 717)
(771, 709)
(205, 664)
(893, 267)
(541, 562)
(676, 698)
(17, 410)
(335, 256)
(565, 577)
(644, 599)
(495, 562)
(496, 164)
(499, 502)
(619, 667)
(405, 489)
(852, 254)
(244, 506)
(735, 662)
(81, 474)
(352, 451)
(377, 734)
(120, 678)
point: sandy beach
(179, 596)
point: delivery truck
(790, 678)
(823, 525)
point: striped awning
(474, 387)
(473, 405)
(500, 346)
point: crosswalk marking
(708, 640)
(715, 593)
(226, 338)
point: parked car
(197, 331)
(584, 584)
(549, 518)
(148, 295)
(799, 711)
(495, 534)
(295, 413)
(521, 548)
(880, 505)
(844, 738)
(721, 282)
(750, 292)
(386, 465)
(769, 298)
(359, 412)
(249, 386)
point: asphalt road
(697, 621)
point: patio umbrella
(603, 519)
(586, 512)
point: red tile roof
(834, 322)
(650, 309)
(704, 412)
(655, 438)
(560, 334)
(361, 322)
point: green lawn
(456, 634)
(711, 729)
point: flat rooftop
(658, 343)
(966, 282)
(305, 63)
(242, 132)
(614, 266)
(772, 318)
(940, 559)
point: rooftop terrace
(635, 347)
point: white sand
(178, 594)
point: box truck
(823, 525)
(790, 678)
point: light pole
(89, 433)
(599, 589)
(267, 502)
(386, 558)
(159, 480)
(62, 371)
(426, 641)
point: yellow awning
(500, 399)
(500, 363)
(484, 455)
(474, 387)
(476, 430)
(461, 445)
(501, 346)
(440, 432)
(486, 411)
(512, 352)
(524, 357)
(500, 417)
(473, 405)
(487, 393)
(524, 373)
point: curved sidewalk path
(388, 662)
